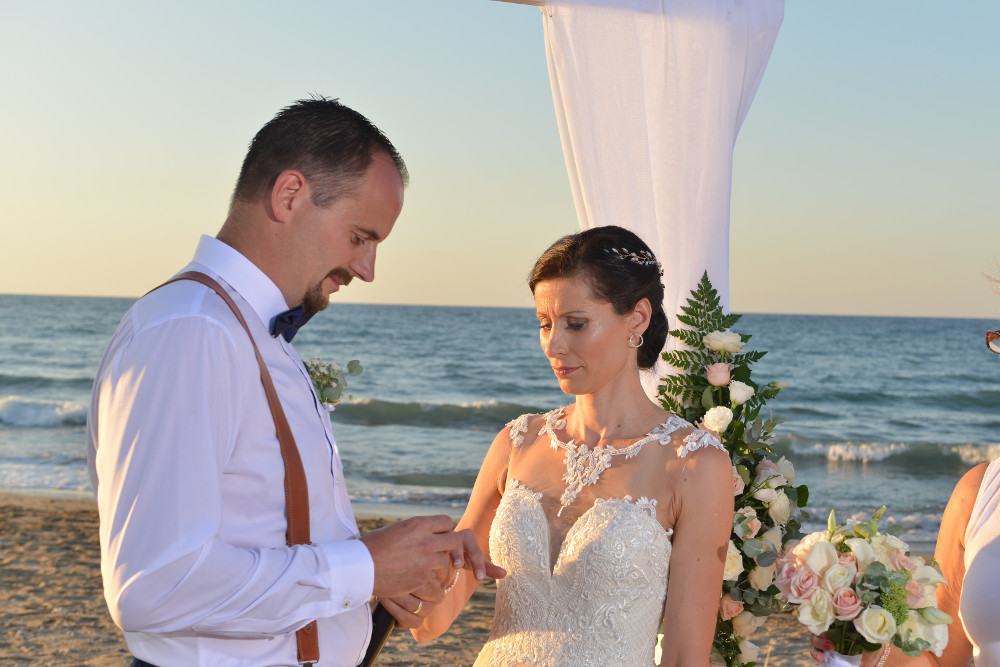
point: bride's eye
(544, 325)
(576, 325)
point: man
(182, 451)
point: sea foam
(864, 452)
(28, 413)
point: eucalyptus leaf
(753, 548)
(706, 399)
(744, 474)
(767, 558)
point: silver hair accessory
(643, 257)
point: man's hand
(415, 553)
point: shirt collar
(243, 276)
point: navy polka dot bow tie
(288, 323)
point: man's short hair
(331, 144)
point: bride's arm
(950, 555)
(704, 521)
(478, 518)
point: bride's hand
(472, 558)
(822, 644)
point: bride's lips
(563, 371)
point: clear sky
(864, 178)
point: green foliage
(329, 380)
(748, 438)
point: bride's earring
(632, 343)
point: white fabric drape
(649, 96)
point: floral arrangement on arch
(713, 387)
(330, 380)
(864, 590)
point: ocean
(880, 410)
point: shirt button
(347, 604)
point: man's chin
(315, 300)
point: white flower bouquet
(329, 380)
(864, 590)
(713, 387)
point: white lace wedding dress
(587, 579)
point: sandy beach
(52, 608)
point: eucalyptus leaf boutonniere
(330, 380)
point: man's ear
(288, 189)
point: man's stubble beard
(314, 300)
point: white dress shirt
(189, 480)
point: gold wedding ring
(420, 605)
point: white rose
(817, 614)
(780, 509)
(919, 628)
(894, 542)
(773, 537)
(734, 563)
(880, 549)
(723, 341)
(761, 578)
(837, 577)
(786, 469)
(821, 558)
(862, 551)
(718, 419)
(740, 393)
(929, 624)
(748, 651)
(744, 623)
(765, 494)
(875, 624)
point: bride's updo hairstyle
(620, 270)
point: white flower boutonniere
(330, 380)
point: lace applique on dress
(698, 439)
(563, 615)
(584, 465)
(518, 428)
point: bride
(587, 506)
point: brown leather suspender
(296, 489)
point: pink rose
(797, 583)
(901, 561)
(916, 595)
(753, 525)
(738, 484)
(846, 604)
(769, 466)
(718, 374)
(729, 608)
(847, 559)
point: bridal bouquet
(864, 589)
(330, 380)
(713, 387)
